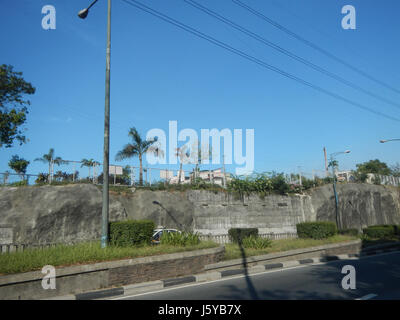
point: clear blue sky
(161, 73)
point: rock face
(360, 205)
(52, 214)
(72, 213)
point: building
(345, 176)
(213, 176)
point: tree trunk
(180, 173)
(49, 176)
(140, 171)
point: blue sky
(161, 73)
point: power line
(251, 58)
(324, 33)
(287, 53)
(312, 45)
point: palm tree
(138, 148)
(87, 163)
(204, 152)
(181, 152)
(333, 163)
(50, 159)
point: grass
(83, 253)
(233, 250)
(91, 252)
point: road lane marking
(368, 296)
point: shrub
(19, 183)
(238, 234)
(279, 184)
(255, 242)
(316, 230)
(130, 232)
(381, 231)
(350, 232)
(180, 239)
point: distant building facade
(211, 176)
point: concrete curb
(215, 275)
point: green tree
(278, 182)
(374, 166)
(50, 158)
(334, 164)
(19, 165)
(13, 107)
(89, 163)
(138, 148)
(203, 152)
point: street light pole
(105, 207)
(383, 141)
(334, 191)
(332, 159)
(106, 150)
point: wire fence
(92, 172)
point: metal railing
(9, 248)
(224, 238)
(220, 239)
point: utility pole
(105, 207)
(150, 177)
(335, 193)
(51, 170)
(223, 168)
(300, 176)
(106, 149)
(332, 159)
(326, 163)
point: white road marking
(368, 296)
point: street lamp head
(382, 141)
(156, 202)
(347, 151)
(83, 13)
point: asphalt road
(378, 275)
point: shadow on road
(379, 275)
(252, 291)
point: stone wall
(49, 214)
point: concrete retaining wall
(82, 278)
(49, 214)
